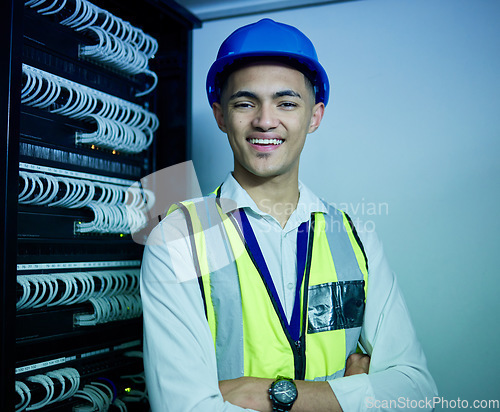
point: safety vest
(249, 335)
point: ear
(219, 116)
(317, 114)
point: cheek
(299, 126)
(233, 120)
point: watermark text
(430, 403)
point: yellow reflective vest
(249, 335)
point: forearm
(252, 393)
(315, 397)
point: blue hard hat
(268, 38)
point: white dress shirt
(179, 354)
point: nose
(265, 118)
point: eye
(242, 105)
(288, 105)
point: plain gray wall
(409, 145)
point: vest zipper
(300, 345)
(298, 350)
(299, 357)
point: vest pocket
(336, 305)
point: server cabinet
(95, 95)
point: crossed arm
(252, 393)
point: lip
(265, 147)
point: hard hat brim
(320, 80)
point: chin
(267, 174)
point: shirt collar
(233, 197)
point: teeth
(266, 141)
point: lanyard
(260, 263)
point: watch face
(285, 391)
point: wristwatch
(283, 393)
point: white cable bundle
(38, 291)
(70, 374)
(111, 134)
(98, 394)
(25, 394)
(46, 290)
(121, 125)
(100, 397)
(114, 52)
(117, 282)
(116, 219)
(120, 45)
(110, 309)
(47, 381)
(48, 384)
(116, 208)
(88, 15)
(107, 219)
(43, 189)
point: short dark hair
(309, 75)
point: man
(261, 296)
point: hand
(357, 363)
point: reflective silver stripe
(225, 292)
(335, 305)
(346, 264)
(226, 298)
(214, 233)
(343, 254)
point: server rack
(80, 126)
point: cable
(21, 303)
(67, 289)
(48, 384)
(48, 10)
(59, 376)
(120, 405)
(34, 291)
(74, 377)
(44, 297)
(25, 393)
(94, 394)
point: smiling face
(267, 109)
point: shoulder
(363, 230)
(174, 224)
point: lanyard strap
(258, 258)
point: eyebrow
(243, 93)
(281, 93)
(288, 92)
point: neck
(277, 196)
